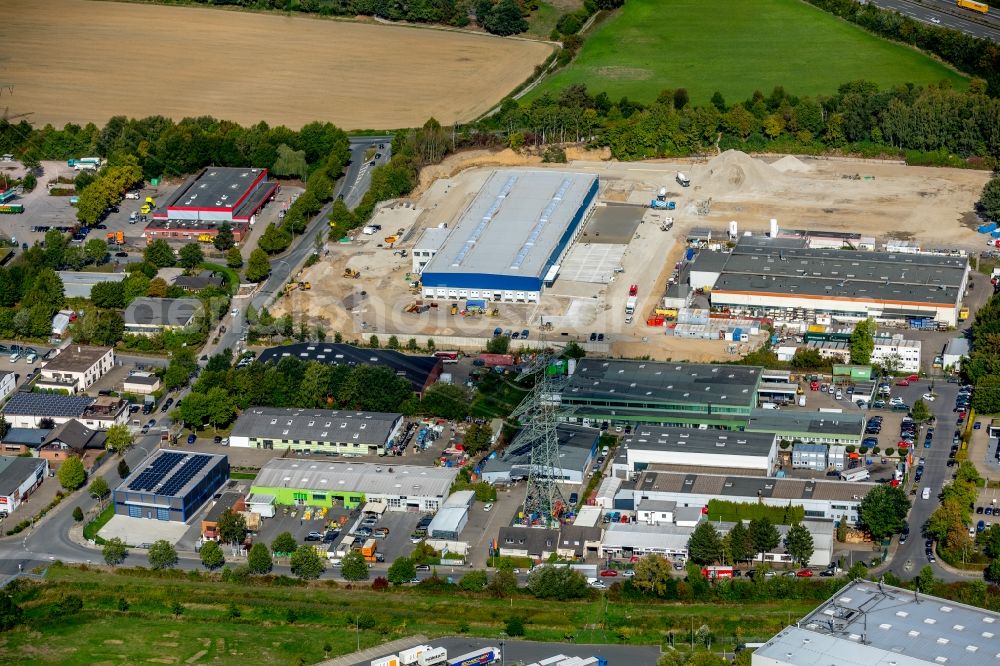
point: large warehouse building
(170, 485)
(651, 446)
(316, 431)
(296, 481)
(209, 199)
(684, 394)
(875, 623)
(783, 277)
(511, 236)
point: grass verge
(224, 623)
(91, 529)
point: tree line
(926, 124)
(160, 146)
(499, 17)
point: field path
(79, 61)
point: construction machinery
(352, 274)
(116, 237)
(305, 286)
(391, 239)
(401, 253)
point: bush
(515, 626)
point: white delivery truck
(856, 475)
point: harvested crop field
(79, 61)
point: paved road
(353, 186)
(936, 473)
(946, 14)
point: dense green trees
(883, 510)
(402, 570)
(306, 563)
(212, 556)
(989, 200)
(862, 341)
(799, 543)
(354, 567)
(162, 555)
(557, 583)
(936, 123)
(259, 560)
(71, 473)
(258, 266)
(705, 544)
(106, 190)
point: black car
(593, 337)
(904, 535)
(121, 254)
(979, 509)
(218, 439)
(167, 404)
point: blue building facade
(170, 485)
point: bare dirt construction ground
(78, 61)
(928, 205)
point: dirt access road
(78, 61)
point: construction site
(610, 285)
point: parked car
(609, 573)
(423, 567)
(804, 573)
(191, 438)
(314, 536)
(488, 506)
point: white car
(235, 312)
(896, 401)
(488, 507)
(629, 573)
(929, 397)
(598, 585)
(935, 20)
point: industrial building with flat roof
(816, 426)
(782, 277)
(509, 238)
(219, 194)
(632, 392)
(171, 485)
(421, 371)
(296, 481)
(874, 623)
(577, 447)
(820, 499)
(656, 445)
(316, 430)
(149, 316)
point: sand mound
(735, 171)
(791, 163)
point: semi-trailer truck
(11, 209)
(980, 7)
(856, 475)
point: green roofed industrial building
(304, 482)
(682, 394)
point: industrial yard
(623, 242)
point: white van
(926, 494)
(31, 358)
(14, 357)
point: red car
(633, 290)
(903, 382)
(804, 573)
(609, 573)
(913, 378)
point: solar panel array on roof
(47, 404)
(187, 472)
(152, 475)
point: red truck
(633, 290)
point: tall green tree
(557, 583)
(258, 266)
(159, 254)
(738, 543)
(234, 259)
(862, 342)
(212, 556)
(989, 200)
(71, 473)
(653, 575)
(705, 544)
(402, 570)
(191, 256)
(95, 250)
(354, 567)
(799, 543)
(224, 239)
(118, 438)
(883, 510)
(162, 555)
(114, 551)
(232, 527)
(306, 563)
(99, 489)
(259, 559)
(284, 543)
(920, 412)
(763, 535)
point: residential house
(76, 368)
(538, 544)
(149, 316)
(72, 438)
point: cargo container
(411, 655)
(975, 6)
(493, 360)
(432, 657)
(391, 660)
(368, 550)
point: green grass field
(736, 48)
(205, 631)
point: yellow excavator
(351, 274)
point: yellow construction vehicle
(454, 309)
(305, 286)
(391, 239)
(351, 274)
(146, 208)
(291, 286)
